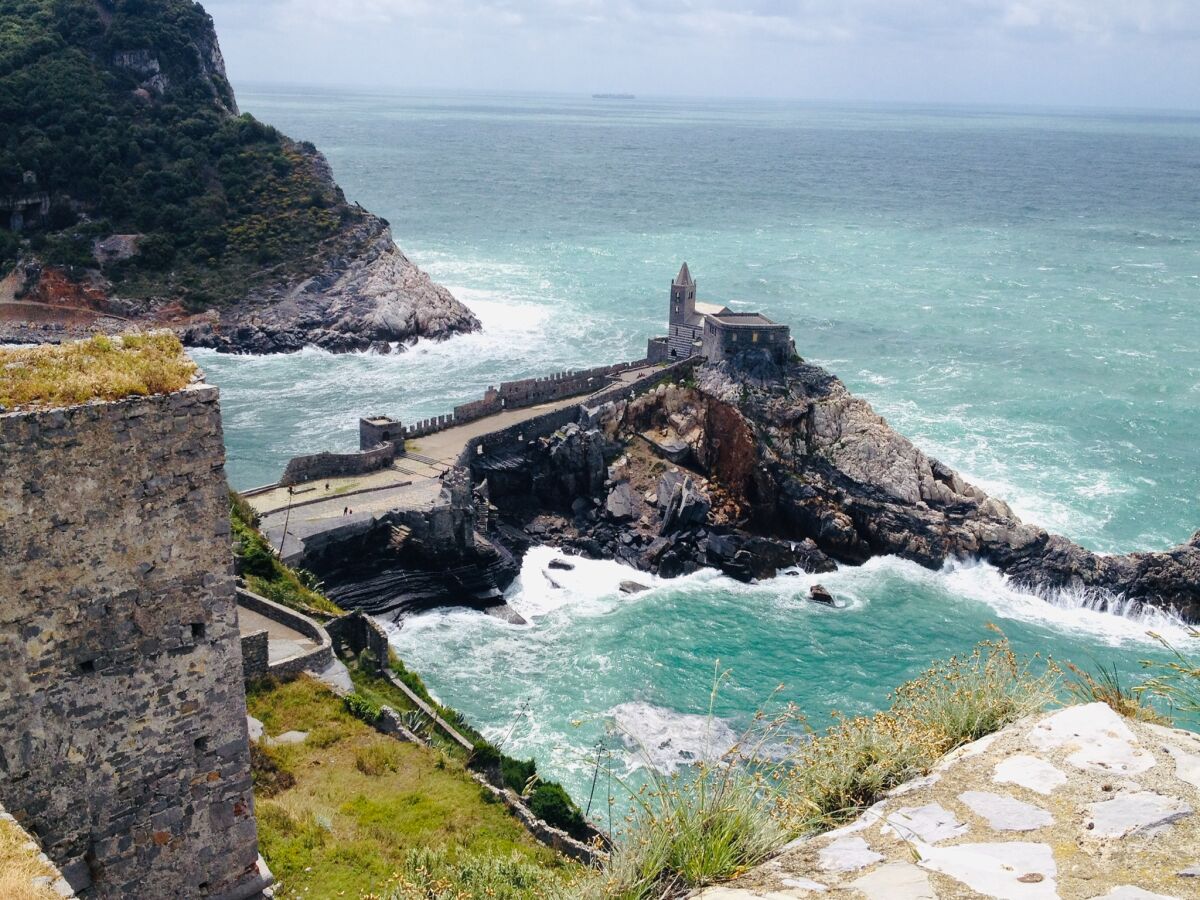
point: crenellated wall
(123, 743)
(524, 393)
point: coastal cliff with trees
(132, 189)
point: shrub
(440, 875)
(550, 803)
(377, 758)
(517, 773)
(362, 708)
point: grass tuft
(20, 864)
(1176, 682)
(717, 820)
(99, 368)
(836, 774)
(1105, 686)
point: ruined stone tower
(123, 744)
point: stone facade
(256, 656)
(378, 430)
(729, 334)
(123, 743)
(714, 331)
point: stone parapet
(315, 660)
(314, 467)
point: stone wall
(301, 469)
(357, 632)
(123, 743)
(256, 656)
(523, 393)
(516, 436)
(314, 660)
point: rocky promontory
(139, 195)
(754, 469)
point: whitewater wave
(666, 740)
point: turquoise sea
(1017, 291)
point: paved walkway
(411, 482)
(282, 642)
(1078, 804)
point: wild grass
(1105, 686)
(340, 831)
(19, 865)
(99, 368)
(1176, 682)
(836, 774)
(720, 818)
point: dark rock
(818, 593)
(632, 587)
(620, 504)
(561, 564)
(686, 505)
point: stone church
(714, 331)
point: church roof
(684, 277)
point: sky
(1106, 53)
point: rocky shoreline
(753, 470)
(367, 295)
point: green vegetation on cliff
(265, 574)
(100, 368)
(352, 813)
(120, 111)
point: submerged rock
(818, 593)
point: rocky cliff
(132, 190)
(755, 469)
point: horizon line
(994, 105)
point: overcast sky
(1113, 53)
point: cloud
(793, 20)
(1108, 52)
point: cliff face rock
(226, 230)
(829, 468)
(755, 470)
(372, 298)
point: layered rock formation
(754, 469)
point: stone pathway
(1078, 804)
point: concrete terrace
(411, 482)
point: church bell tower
(683, 297)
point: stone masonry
(1077, 804)
(123, 743)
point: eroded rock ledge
(1077, 803)
(753, 469)
(374, 299)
